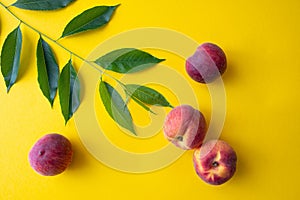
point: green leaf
(48, 70)
(69, 91)
(41, 4)
(10, 57)
(115, 106)
(147, 95)
(90, 19)
(142, 104)
(127, 60)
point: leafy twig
(124, 61)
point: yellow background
(261, 41)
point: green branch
(90, 63)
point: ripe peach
(207, 63)
(215, 162)
(185, 127)
(51, 154)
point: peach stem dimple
(179, 138)
(42, 152)
(215, 164)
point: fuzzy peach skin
(51, 154)
(185, 127)
(215, 162)
(207, 63)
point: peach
(185, 127)
(215, 162)
(207, 63)
(51, 154)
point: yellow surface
(261, 41)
